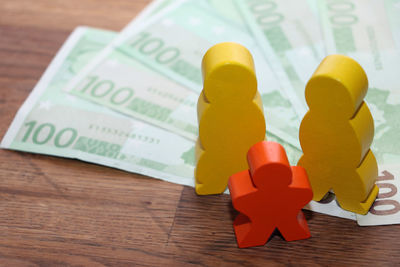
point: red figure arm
(300, 186)
(241, 188)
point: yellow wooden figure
(230, 116)
(336, 134)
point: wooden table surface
(61, 212)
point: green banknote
(55, 123)
(289, 35)
(361, 30)
(152, 70)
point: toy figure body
(270, 195)
(336, 134)
(230, 116)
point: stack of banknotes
(128, 100)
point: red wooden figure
(270, 195)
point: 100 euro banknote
(54, 123)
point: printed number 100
(45, 132)
(386, 206)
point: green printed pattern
(149, 109)
(98, 147)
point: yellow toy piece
(230, 116)
(336, 134)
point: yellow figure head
(228, 72)
(339, 85)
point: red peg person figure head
(269, 166)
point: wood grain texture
(61, 212)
